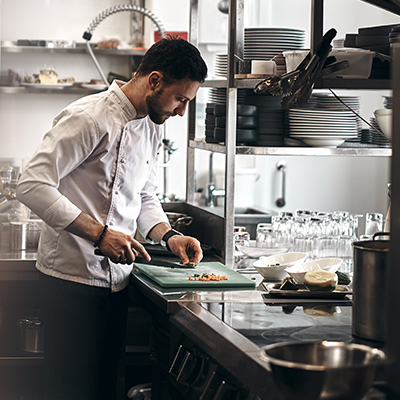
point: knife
(161, 263)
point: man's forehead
(185, 88)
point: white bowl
(252, 251)
(383, 118)
(298, 271)
(268, 268)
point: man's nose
(180, 110)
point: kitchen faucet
(212, 192)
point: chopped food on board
(208, 277)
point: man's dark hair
(176, 59)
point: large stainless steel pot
(371, 264)
(25, 234)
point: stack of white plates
(221, 64)
(327, 101)
(387, 101)
(265, 43)
(375, 137)
(322, 128)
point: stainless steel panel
(393, 343)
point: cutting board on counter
(179, 276)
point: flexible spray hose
(110, 11)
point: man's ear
(154, 80)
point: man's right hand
(121, 248)
(117, 246)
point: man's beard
(154, 109)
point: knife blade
(161, 263)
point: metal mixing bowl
(323, 370)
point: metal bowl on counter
(323, 370)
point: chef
(93, 181)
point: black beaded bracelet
(97, 243)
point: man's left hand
(187, 248)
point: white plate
(325, 142)
(325, 125)
(330, 136)
(279, 30)
(47, 86)
(330, 128)
(295, 111)
(94, 86)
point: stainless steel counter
(18, 265)
(231, 326)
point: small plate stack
(221, 65)
(327, 101)
(265, 43)
(322, 128)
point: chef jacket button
(116, 192)
(111, 223)
(147, 162)
(122, 160)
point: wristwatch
(164, 240)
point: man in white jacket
(93, 182)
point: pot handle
(182, 221)
(377, 234)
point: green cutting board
(179, 276)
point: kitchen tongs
(296, 86)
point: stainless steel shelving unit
(75, 89)
(294, 151)
(235, 52)
(358, 84)
(80, 48)
(8, 47)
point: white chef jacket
(100, 159)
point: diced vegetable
(208, 277)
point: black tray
(340, 292)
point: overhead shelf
(293, 151)
(356, 84)
(75, 89)
(12, 47)
(388, 5)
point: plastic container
(293, 58)
(360, 63)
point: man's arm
(117, 246)
(186, 247)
